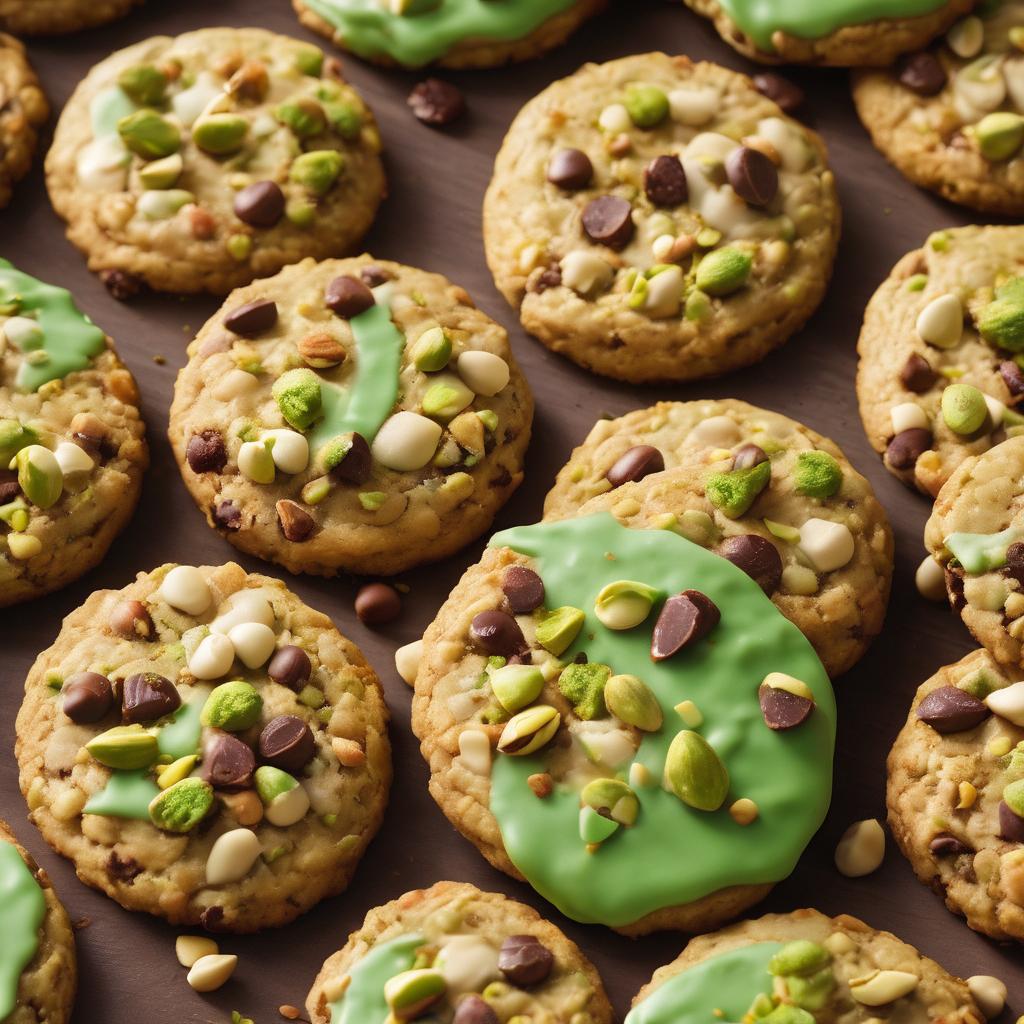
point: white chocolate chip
(406, 441)
(102, 164)
(475, 751)
(185, 588)
(468, 963)
(72, 459)
(407, 661)
(988, 592)
(789, 142)
(253, 641)
(614, 119)
(662, 246)
(941, 322)
(881, 987)
(798, 579)
(232, 856)
(1008, 703)
(234, 384)
(213, 657)
(996, 410)
(861, 849)
(693, 106)
(243, 606)
(908, 416)
(826, 545)
(1013, 73)
(191, 102)
(290, 450)
(23, 332)
(839, 943)
(966, 37)
(977, 89)
(484, 372)
(256, 463)
(715, 432)
(989, 993)
(189, 948)
(931, 580)
(585, 272)
(664, 293)
(287, 808)
(208, 973)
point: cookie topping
(348, 297)
(570, 169)
(753, 176)
(21, 917)
(950, 709)
(497, 633)
(523, 589)
(922, 73)
(436, 103)
(286, 742)
(148, 696)
(635, 464)
(665, 181)
(685, 619)
(785, 702)
(86, 697)
(524, 960)
(608, 220)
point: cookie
(937, 380)
(803, 966)
(22, 111)
(454, 949)
(451, 33)
(200, 162)
(657, 220)
(352, 414)
(949, 117)
(50, 17)
(624, 720)
(71, 433)
(766, 492)
(38, 970)
(840, 33)
(956, 792)
(205, 747)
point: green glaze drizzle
(980, 552)
(722, 988)
(70, 339)
(363, 1000)
(370, 30)
(22, 908)
(364, 406)
(814, 19)
(674, 854)
(180, 736)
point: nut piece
(209, 972)
(695, 772)
(231, 859)
(881, 987)
(410, 993)
(861, 850)
(632, 700)
(530, 730)
(989, 993)
(407, 661)
(321, 350)
(190, 948)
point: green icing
(722, 988)
(674, 854)
(22, 908)
(70, 339)
(814, 19)
(370, 29)
(368, 402)
(980, 552)
(363, 1000)
(180, 736)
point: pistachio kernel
(583, 686)
(632, 700)
(127, 747)
(232, 706)
(317, 170)
(431, 351)
(181, 807)
(800, 958)
(558, 628)
(148, 134)
(298, 396)
(817, 474)
(963, 408)
(410, 993)
(734, 492)
(613, 799)
(528, 731)
(724, 271)
(39, 475)
(624, 604)
(220, 134)
(695, 773)
(516, 686)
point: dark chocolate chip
(921, 73)
(917, 374)
(121, 285)
(261, 205)
(287, 743)
(946, 845)
(756, 556)
(348, 296)
(227, 515)
(570, 169)
(608, 220)
(496, 632)
(685, 619)
(523, 589)
(665, 181)
(754, 178)
(147, 696)
(296, 523)
(131, 620)
(1011, 824)
(779, 90)
(126, 870)
(950, 709)
(473, 1009)
(907, 447)
(1015, 561)
(955, 588)
(640, 461)
(1013, 377)
(9, 487)
(86, 697)
(748, 455)
(356, 464)
(228, 763)
(377, 604)
(373, 276)
(206, 452)
(524, 960)
(212, 918)
(782, 709)
(549, 277)
(436, 103)
(290, 666)
(252, 318)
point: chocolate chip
(756, 556)
(907, 447)
(496, 632)
(921, 73)
(608, 220)
(665, 181)
(212, 918)
(779, 90)
(946, 845)
(1013, 377)
(781, 709)
(917, 374)
(377, 604)
(748, 455)
(357, 463)
(524, 960)
(685, 619)
(131, 620)
(950, 709)
(296, 523)
(227, 515)
(348, 296)
(523, 589)
(640, 461)
(9, 487)
(1011, 824)
(261, 205)
(754, 178)
(122, 286)
(570, 169)
(287, 743)
(373, 276)
(1015, 561)
(291, 667)
(252, 318)
(436, 103)
(86, 697)
(474, 1010)
(228, 763)
(147, 696)
(549, 277)
(955, 588)
(126, 870)
(206, 452)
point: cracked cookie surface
(23, 110)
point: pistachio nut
(220, 134)
(410, 993)
(632, 700)
(999, 135)
(647, 105)
(558, 628)
(817, 474)
(272, 782)
(963, 408)
(528, 731)
(1001, 322)
(286, 801)
(256, 461)
(881, 987)
(800, 957)
(724, 271)
(785, 532)
(162, 204)
(39, 475)
(613, 798)
(181, 807)
(595, 828)
(232, 706)
(297, 393)
(304, 116)
(13, 437)
(143, 84)
(812, 992)
(516, 686)
(431, 350)
(310, 60)
(162, 173)
(125, 746)
(698, 527)
(149, 134)
(446, 398)
(345, 118)
(583, 686)
(695, 773)
(1013, 797)
(786, 1013)
(734, 492)
(317, 170)
(624, 604)
(176, 771)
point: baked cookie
(23, 108)
(800, 967)
(72, 442)
(938, 378)
(352, 414)
(37, 957)
(586, 737)
(49, 17)
(468, 956)
(949, 117)
(657, 220)
(205, 747)
(451, 33)
(199, 162)
(956, 792)
(841, 33)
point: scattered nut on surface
(861, 849)
(190, 948)
(989, 993)
(209, 972)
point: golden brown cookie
(23, 109)
(50, 17)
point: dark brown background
(432, 219)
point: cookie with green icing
(205, 747)
(951, 117)
(452, 952)
(200, 162)
(451, 33)
(49, 17)
(37, 957)
(654, 219)
(72, 442)
(590, 701)
(25, 110)
(802, 967)
(351, 414)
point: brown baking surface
(432, 219)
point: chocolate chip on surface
(641, 460)
(570, 169)
(291, 667)
(665, 181)
(287, 743)
(756, 556)
(377, 604)
(946, 845)
(132, 620)
(436, 103)
(473, 1009)
(348, 296)
(86, 697)
(921, 73)
(524, 960)
(685, 619)
(296, 523)
(356, 465)
(907, 447)
(260, 205)
(1013, 377)
(754, 178)
(781, 709)
(523, 589)
(228, 763)
(227, 515)
(496, 632)
(252, 318)
(147, 696)
(950, 709)
(1011, 824)
(779, 90)
(206, 452)
(748, 455)
(608, 220)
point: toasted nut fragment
(321, 349)
(190, 948)
(348, 752)
(861, 849)
(208, 973)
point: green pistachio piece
(126, 747)
(304, 116)
(310, 60)
(14, 437)
(813, 992)
(176, 771)
(695, 773)
(557, 629)
(734, 492)
(724, 271)
(345, 118)
(1001, 322)
(489, 418)
(1013, 797)
(297, 393)
(181, 807)
(790, 534)
(530, 730)
(516, 686)
(432, 350)
(39, 475)
(698, 527)
(647, 105)
(624, 604)
(239, 246)
(162, 173)
(317, 170)
(144, 84)
(583, 686)
(963, 408)
(315, 491)
(162, 204)
(817, 474)
(410, 993)
(149, 134)
(801, 957)
(271, 783)
(981, 683)
(614, 798)
(300, 212)
(372, 500)
(632, 700)
(999, 135)
(697, 306)
(784, 1013)
(445, 399)
(232, 706)
(220, 134)
(595, 828)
